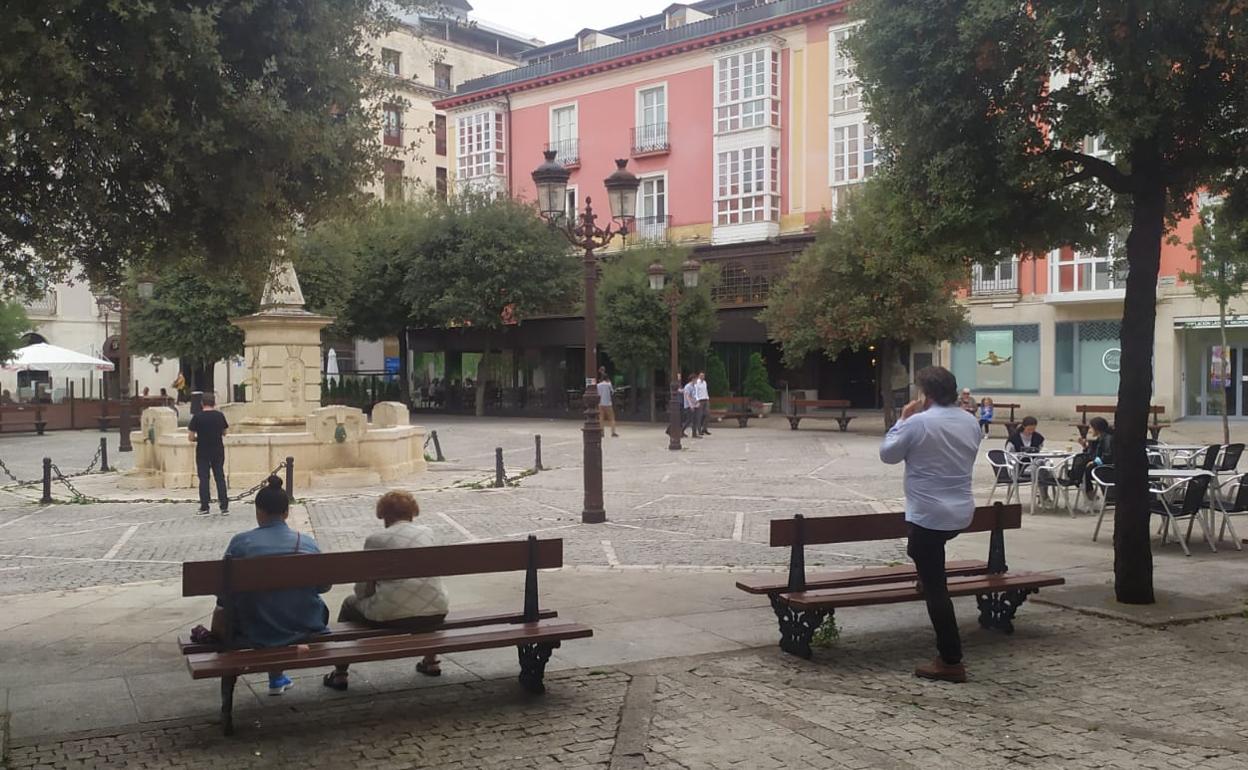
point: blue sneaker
(280, 685)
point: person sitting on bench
(414, 605)
(938, 442)
(1026, 438)
(273, 618)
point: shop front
(1215, 377)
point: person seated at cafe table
(1026, 438)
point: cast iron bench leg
(996, 610)
(533, 658)
(843, 423)
(227, 704)
(797, 627)
(744, 422)
(793, 421)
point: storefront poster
(994, 359)
(1219, 367)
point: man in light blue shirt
(938, 442)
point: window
(440, 185)
(439, 134)
(390, 61)
(1085, 361)
(853, 152)
(442, 76)
(1072, 271)
(746, 186)
(652, 208)
(652, 114)
(563, 134)
(392, 126)
(480, 144)
(997, 358)
(569, 205)
(1001, 278)
(747, 91)
(392, 179)
(846, 96)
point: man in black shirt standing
(207, 430)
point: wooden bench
(1154, 428)
(798, 407)
(20, 419)
(1011, 424)
(737, 407)
(802, 602)
(533, 631)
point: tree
(13, 324)
(985, 109)
(756, 386)
(716, 375)
(162, 131)
(188, 317)
(860, 284)
(486, 264)
(634, 321)
(1220, 243)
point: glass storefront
(1086, 358)
(998, 358)
(1213, 382)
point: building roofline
(700, 34)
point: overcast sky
(552, 20)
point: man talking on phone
(938, 442)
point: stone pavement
(92, 607)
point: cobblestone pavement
(1065, 691)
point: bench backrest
(269, 573)
(826, 403)
(729, 400)
(1086, 409)
(880, 526)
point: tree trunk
(1226, 422)
(885, 381)
(1133, 558)
(482, 370)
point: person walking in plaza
(704, 403)
(415, 605)
(606, 411)
(938, 442)
(271, 618)
(207, 432)
(690, 418)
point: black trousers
(927, 548)
(211, 461)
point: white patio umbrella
(50, 358)
(331, 365)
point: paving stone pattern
(1066, 691)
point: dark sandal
(427, 670)
(335, 680)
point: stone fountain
(282, 416)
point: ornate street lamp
(658, 281)
(581, 231)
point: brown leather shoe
(941, 671)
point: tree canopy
(13, 324)
(1023, 127)
(859, 284)
(161, 131)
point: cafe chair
(1232, 504)
(1189, 503)
(1105, 478)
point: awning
(50, 358)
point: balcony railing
(651, 139)
(984, 286)
(45, 305)
(569, 151)
(650, 229)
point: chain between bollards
(537, 452)
(104, 454)
(47, 482)
(290, 479)
(500, 477)
(437, 446)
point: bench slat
(858, 577)
(213, 665)
(269, 573)
(880, 526)
(968, 586)
(345, 632)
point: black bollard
(104, 454)
(500, 478)
(290, 479)
(437, 447)
(537, 452)
(47, 482)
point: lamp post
(551, 179)
(673, 293)
(124, 373)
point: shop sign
(1207, 322)
(1112, 360)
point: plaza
(683, 669)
